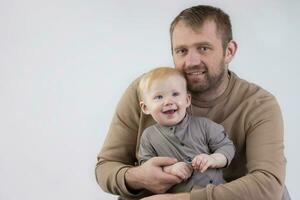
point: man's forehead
(196, 28)
(184, 33)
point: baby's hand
(202, 162)
(180, 169)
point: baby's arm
(204, 161)
(180, 169)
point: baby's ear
(144, 108)
(188, 99)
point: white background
(64, 65)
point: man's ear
(230, 51)
(188, 99)
(144, 108)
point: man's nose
(192, 59)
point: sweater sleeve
(146, 150)
(265, 161)
(118, 150)
(218, 141)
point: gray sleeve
(218, 141)
(146, 149)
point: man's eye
(203, 49)
(180, 51)
(158, 97)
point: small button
(171, 128)
(189, 159)
(211, 181)
(182, 144)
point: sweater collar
(177, 127)
(206, 104)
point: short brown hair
(156, 74)
(197, 15)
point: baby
(200, 145)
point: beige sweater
(250, 115)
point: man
(202, 47)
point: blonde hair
(156, 74)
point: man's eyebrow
(179, 47)
(195, 44)
(203, 44)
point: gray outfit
(191, 137)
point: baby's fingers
(205, 167)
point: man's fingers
(170, 179)
(163, 161)
(187, 173)
(180, 173)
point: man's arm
(265, 162)
(118, 151)
(179, 196)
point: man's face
(167, 100)
(199, 53)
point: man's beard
(211, 81)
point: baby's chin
(169, 123)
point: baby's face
(167, 100)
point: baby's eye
(158, 97)
(175, 94)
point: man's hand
(180, 169)
(179, 196)
(150, 175)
